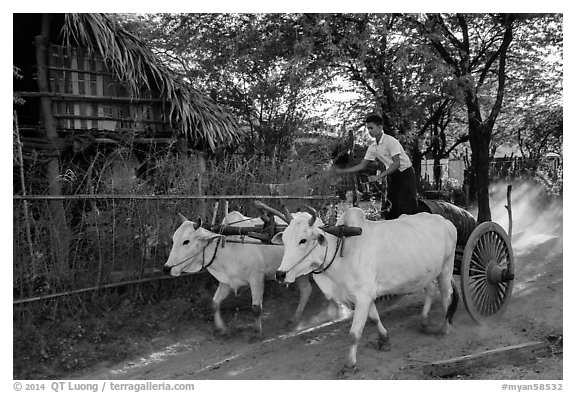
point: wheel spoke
(481, 298)
(502, 289)
(488, 300)
(477, 291)
(477, 263)
(494, 244)
(500, 249)
(501, 296)
(494, 302)
(489, 246)
(477, 258)
(477, 271)
(477, 286)
(482, 249)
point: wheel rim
(487, 272)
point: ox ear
(182, 217)
(321, 239)
(198, 224)
(207, 235)
(277, 239)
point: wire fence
(112, 240)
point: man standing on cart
(402, 178)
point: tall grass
(114, 240)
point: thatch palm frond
(137, 66)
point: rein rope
(338, 245)
(213, 256)
(203, 251)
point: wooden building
(81, 79)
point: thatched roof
(136, 65)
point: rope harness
(204, 265)
(203, 252)
(338, 247)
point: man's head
(374, 126)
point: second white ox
(390, 257)
(234, 265)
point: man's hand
(334, 169)
(374, 178)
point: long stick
(509, 208)
(100, 287)
(214, 214)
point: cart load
(462, 219)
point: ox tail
(454, 304)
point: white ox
(234, 265)
(390, 257)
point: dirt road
(534, 314)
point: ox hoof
(292, 324)
(255, 336)
(384, 344)
(445, 330)
(347, 371)
(222, 333)
(431, 330)
(426, 328)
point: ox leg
(449, 294)
(221, 293)
(257, 290)
(305, 289)
(428, 297)
(358, 322)
(383, 338)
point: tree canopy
(438, 80)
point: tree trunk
(437, 168)
(480, 143)
(417, 163)
(59, 230)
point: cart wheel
(487, 272)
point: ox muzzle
(280, 276)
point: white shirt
(386, 148)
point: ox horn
(198, 224)
(287, 214)
(264, 206)
(182, 217)
(311, 210)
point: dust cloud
(537, 218)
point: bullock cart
(484, 259)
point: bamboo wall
(86, 96)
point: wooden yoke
(342, 232)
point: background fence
(114, 239)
